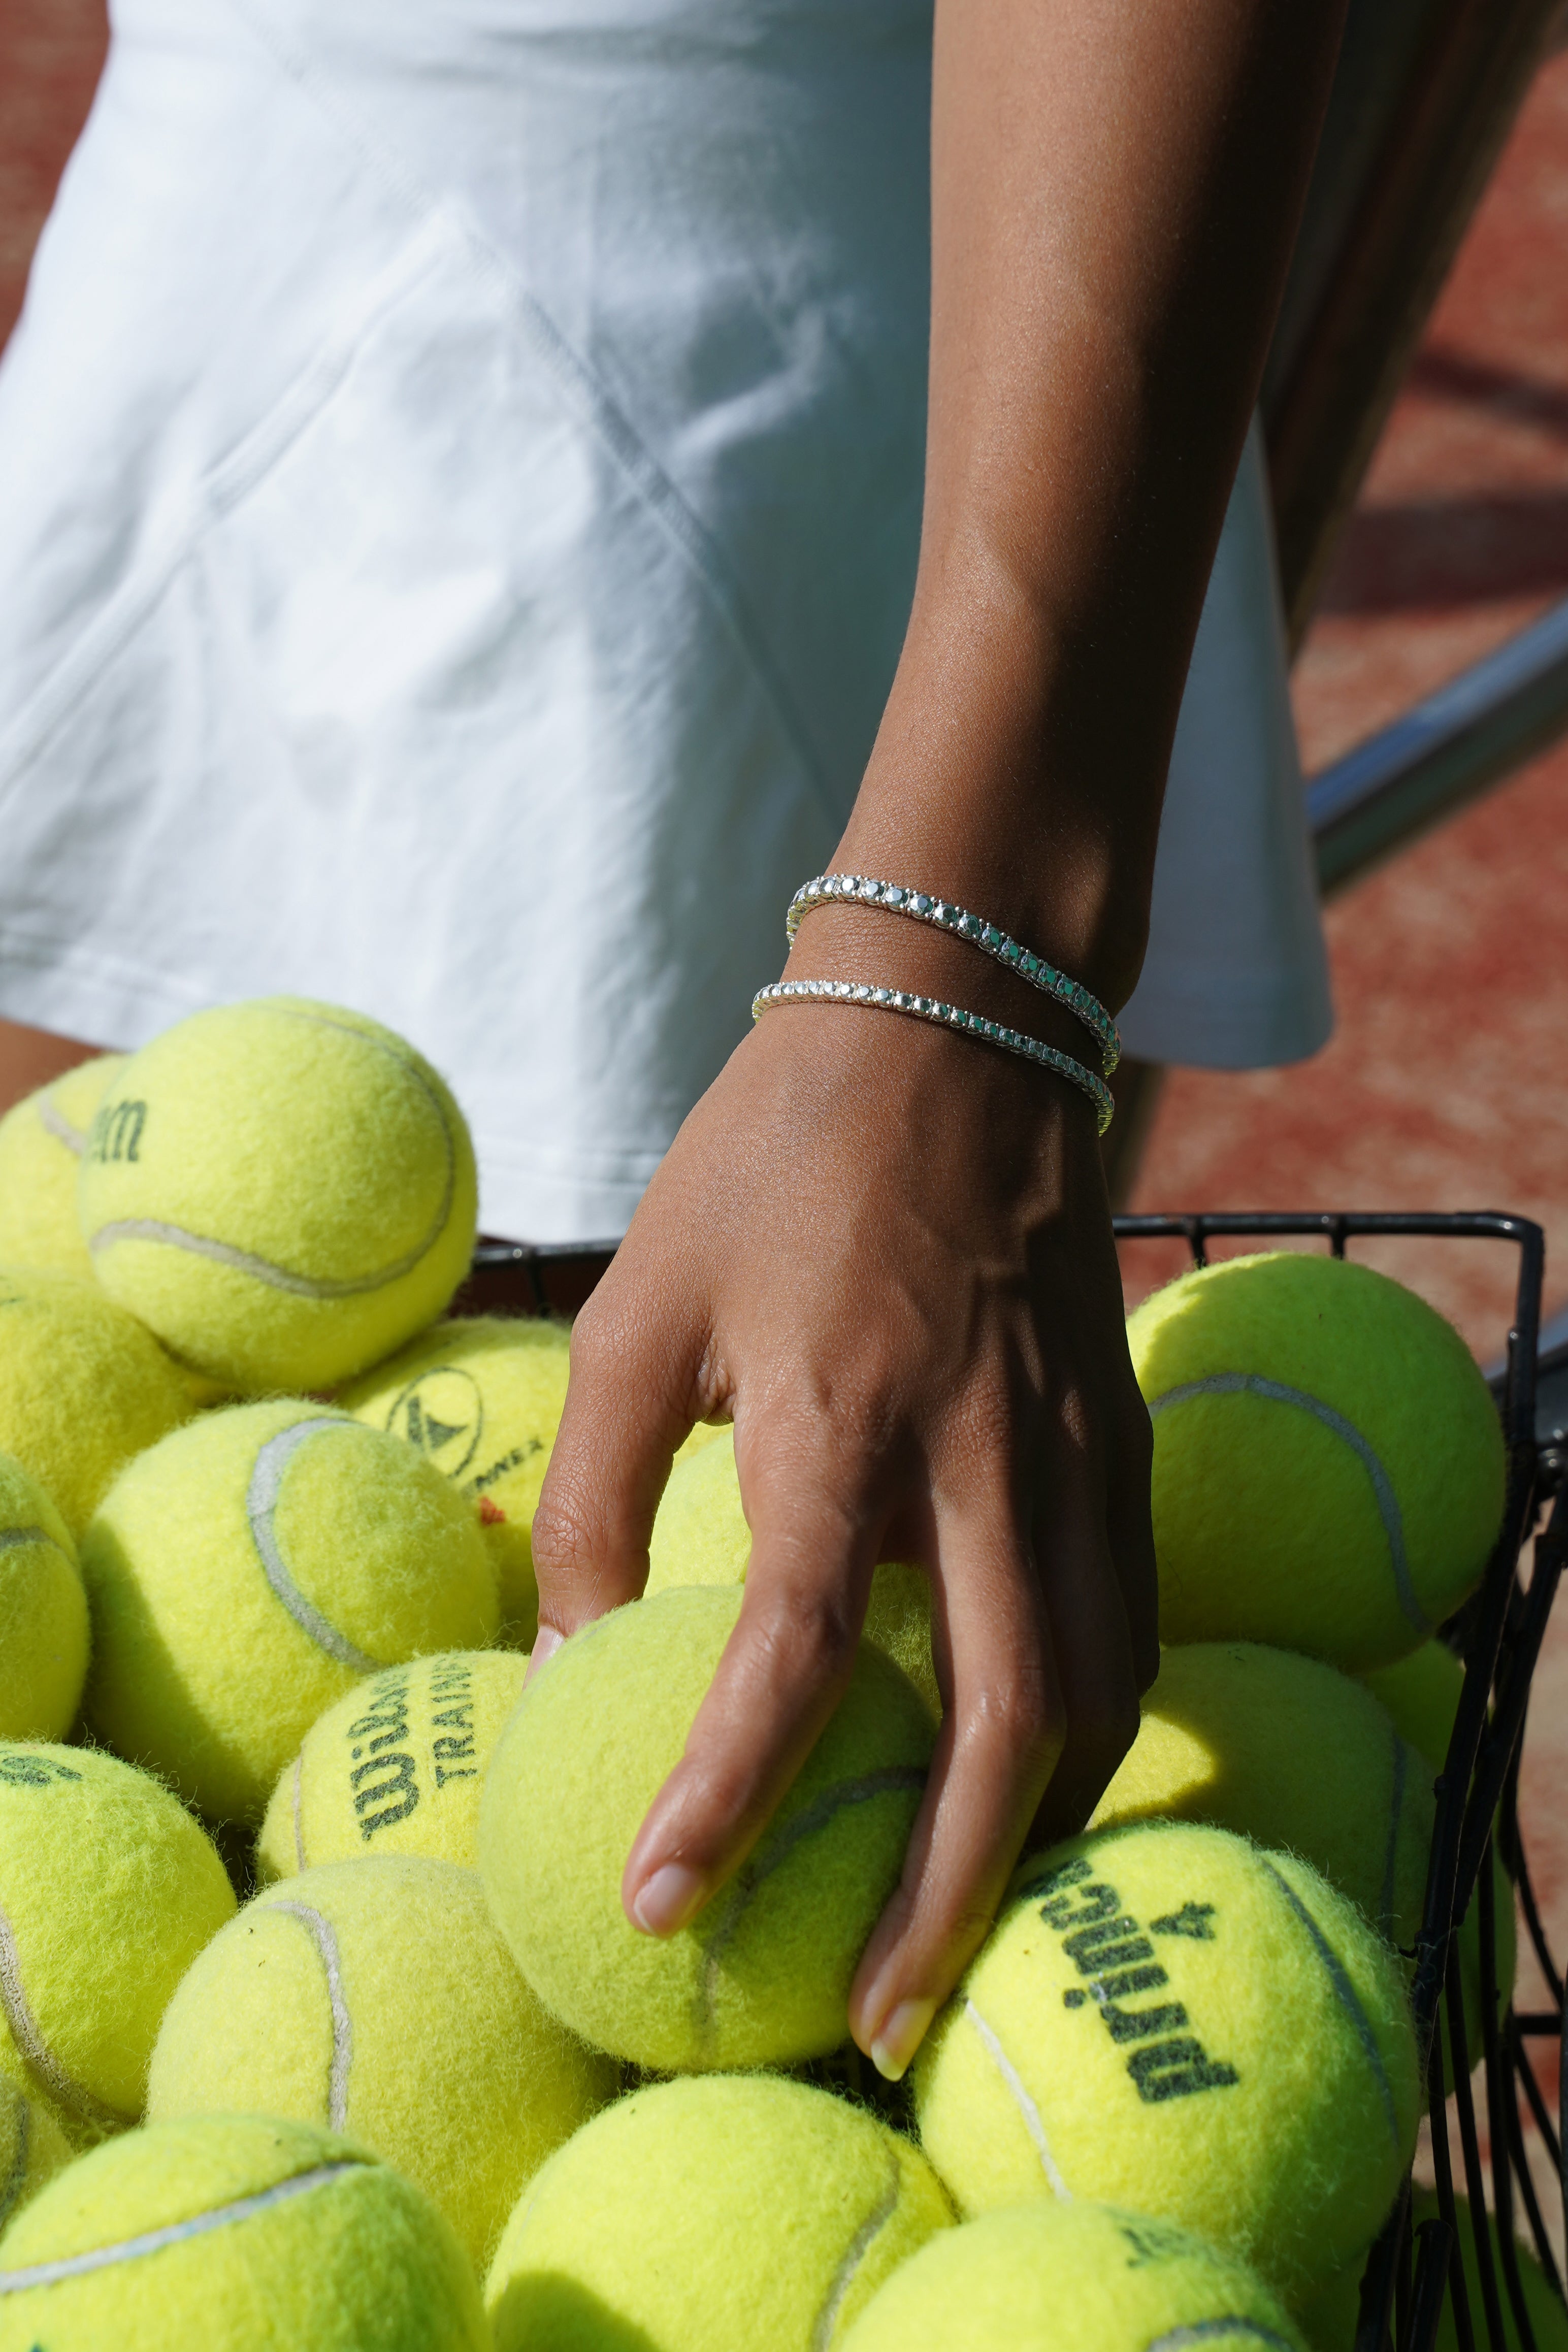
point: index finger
(630, 1402)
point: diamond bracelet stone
(947, 1016)
(861, 889)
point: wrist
(848, 942)
(998, 780)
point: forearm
(1115, 188)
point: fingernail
(546, 1642)
(903, 2031)
(666, 1902)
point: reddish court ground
(1445, 1085)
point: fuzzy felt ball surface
(1328, 1461)
(1287, 1752)
(1070, 2278)
(481, 1397)
(249, 1571)
(42, 1138)
(283, 1191)
(761, 1975)
(708, 2213)
(108, 1891)
(1169, 2019)
(377, 1997)
(43, 1613)
(241, 2233)
(397, 1767)
(83, 1387)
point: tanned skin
(885, 1249)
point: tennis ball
(396, 1767)
(41, 1143)
(1226, 1730)
(377, 1997)
(1329, 2321)
(33, 2148)
(1329, 2317)
(108, 1891)
(1543, 2306)
(701, 1537)
(282, 1190)
(483, 1398)
(82, 1386)
(1172, 2020)
(1328, 1461)
(1422, 1695)
(249, 1572)
(761, 1975)
(43, 1613)
(1042, 2277)
(240, 2233)
(708, 2213)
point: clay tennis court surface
(1445, 1085)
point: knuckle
(564, 1534)
(1017, 1712)
(810, 1637)
(969, 1926)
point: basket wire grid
(1497, 1634)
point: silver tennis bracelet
(896, 898)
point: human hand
(885, 1249)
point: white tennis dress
(460, 468)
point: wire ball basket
(1497, 1634)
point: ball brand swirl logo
(116, 1131)
(1114, 1954)
(443, 1414)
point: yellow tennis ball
(701, 1537)
(41, 1143)
(1422, 1695)
(1328, 1461)
(1543, 2307)
(249, 1572)
(396, 1767)
(43, 1613)
(377, 1997)
(240, 2233)
(1044, 2277)
(283, 1191)
(482, 1399)
(1287, 1752)
(33, 2148)
(707, 2214)
(761, 1975)
(1329, 2321)
(108, 1891)
(1328, 2317)
(82, 1386)
(1168, 2017)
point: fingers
(1093, 1649)
(632, 1395)
(1004, 1728)
(783, 1673)
(1129, 1532)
